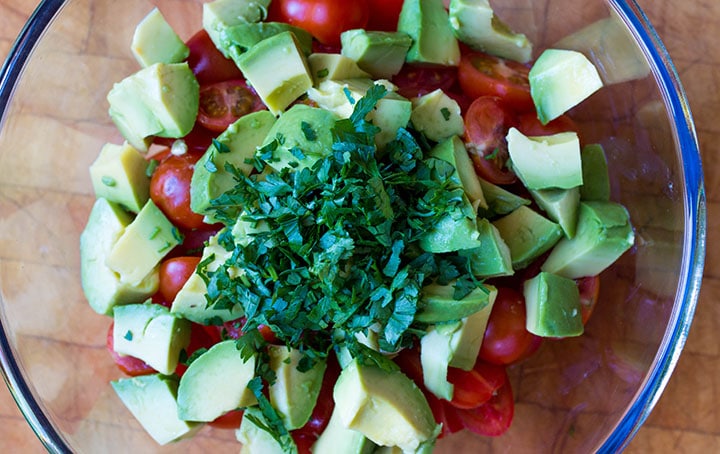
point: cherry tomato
(413, 81)
(384, 14)
(199, 338)
(170, 190)
(324, 19)
(589, 292)
(529, 124)
(506, 339)
(198, 141)
(481, 74)
(174, 273)
(194, 241)
(230, 420)
(303, 441)
(475, 387)
(234, 330)
(207, 63)
(492, 418)
(221, 104)
(129, 364)
(486, 124)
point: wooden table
(687, 417)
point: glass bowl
(584, 394)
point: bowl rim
(692, 265)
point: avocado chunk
(500, 201)
(370, 400)
(277, 69)
(304, 128)
(205, 392)
(561, 206)
(475, 24)
(428, 24)
(453, 232)
(235, 146)
(382, 54)
(151, 399)
(119, 174)
(255, 439)
(492, 258)
(437, 115)
(604, 233)
(553, 306)
(528, 234)
(220, 15)
(438, 304)
(453, 151)
(596, 180)
(160, 100)
(336, 438)
(294, 393)
(148, 238)
(149, 332)
(324, 66)
(236, 40)
(560, 80)
(102, 286)
(547, 161)
(154, 41)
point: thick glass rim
(694, 241)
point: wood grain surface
(687, 417)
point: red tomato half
(129, 364)
(413, 81)
(475, 387)
(221, 104)
(529, 124)
(492, 418)
(384, 14)
(324, 19)
(174, 273)
(589, 292)
(199, 338)
(207, 63)
(481, 74)
(170, 190)
(487, 122)
(506, 339)
(230, 420)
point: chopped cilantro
(108, 181)
(493, 155)
(220, 147)
(150, 169)
(445, 113)
(323, 73)
(308, 131)
(128, 336)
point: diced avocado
(596, 180)
(148, 238)
(370, 400)
(492, 258)
(561, 206)
(453, 232)
(546, 161)
(336, 438)
(277, 69)
(453, 151)
(382, 54)
(191, 301)
(119, 174)
(428, 24)
(325, 66)
(219, 15)
(438, 305)
(304, 128)
(238, 145)
(438, 116)
(467, 341)
(553, 306)
(527, 234)
(475, 24)
(160, 100)
(560, 80)
(205, 392)
(499, 200)
(255, 439)
(101, 285)
(151, 399)
(151, 333)
(294, 393)
(236, 40)
(339, 96)
(155, 41)
(604, 233)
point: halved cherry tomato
(493, 418)
(487, 122)
(199, 338)
(194, 241)
(207, 63)
(170, 190)
(221, 104)
(174, 273)
(529, 124)
(384, 14)
(413, 81)
(481, 74)
(234, 330)
(129, 364)
(506, 339)
(324, 19)
(589, 292)
(475, 387)
(230, 420)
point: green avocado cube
(561, 206)
(492, 258)
(499, 201)
(236, 40)
(154, 41)
(437, 115)
(325, 66)
(428, 24)
(220, 15)
(438, 304)
(382, 54)
(338, 438)
(553, 306)
(453, 151)
(119, 174)
(255, 438)
(528, 234)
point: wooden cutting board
(687, 417)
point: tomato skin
(174, 273)
(230, 420)
(222, 103)
(130, 365)
(481, 74)
(487, 122)
(530, 125)
(475, 387)
(199, 338)
(384, 14)
(170, 190)
(413, 81)
(506, 339)
(193, 242)
(207, 63)
(589, 293)
(324, 19)
(493, 418)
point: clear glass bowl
(585, 394)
